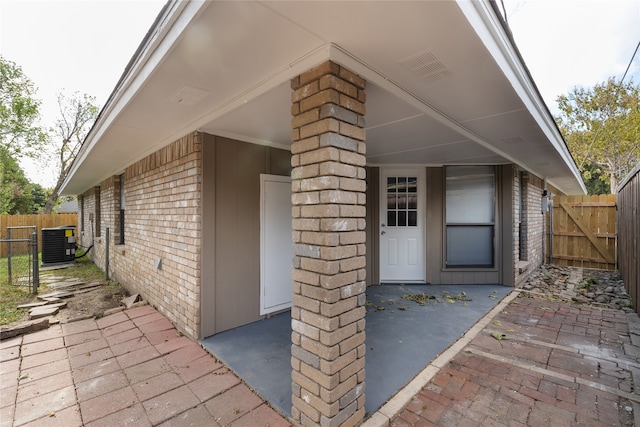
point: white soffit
(435, 83)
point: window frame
(492, 225)
(121, 206)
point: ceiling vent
(426, 66)
(188, 95)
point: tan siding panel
(373, 221)
(237, 236)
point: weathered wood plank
(587, 232)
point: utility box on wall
(58, 245)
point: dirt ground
(83, 304)
(93, 303)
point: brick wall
(533, 225)
(163, 224)
(328, 349)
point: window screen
(470, 216)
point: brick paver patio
(537, 363)
(530, 362)
(128, 368)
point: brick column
(328, 193)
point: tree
(595, 180)
(77, 115)
(40, 196)
(602, 128)
(20, 134)
(16, 192)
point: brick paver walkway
(531, 362)
(553, 364)
(129, 368)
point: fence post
(9, 255)
(106, 255)
(36, 264)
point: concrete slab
(401, 340)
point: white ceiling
(225, 67)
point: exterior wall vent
(426, 66)
(58, 245)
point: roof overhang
(445, 85)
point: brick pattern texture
(533, 223)
(163, 222)
(530, 247)
(328, 194)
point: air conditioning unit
(58, 245)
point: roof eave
(496, 36)
(168, 26)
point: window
(82, 214)
(98, 225)
(522, 226)
(470, 216)
(402, 201)
(122, 197)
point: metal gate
(22, 257)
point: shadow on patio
(402, 337)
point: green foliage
(602, 128)
(40, 195)
(596, 181)
(17, 194)
(20, 134)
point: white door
(276, 251)
(402, 225)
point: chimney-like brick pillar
(328, 194)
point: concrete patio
(402, 337)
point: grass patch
(83, 269)
(11, 296)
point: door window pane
(402, 184)
(391, 218)
(402, 218)
(412, 184)
(391, 184)
(413, 219)
(402, 201)
(391, 201)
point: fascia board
(490, 31)
(163, 37)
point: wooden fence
(583, 231)
(40, 221)
(629, 231)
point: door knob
(383, 233)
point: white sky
(69, 46)
(84, 45)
